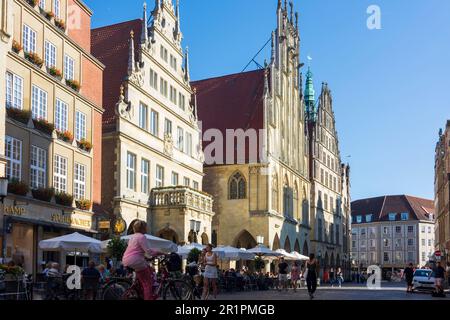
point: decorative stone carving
(168, 145)
(137, 77)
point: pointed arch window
(237, 187)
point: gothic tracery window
(237, 187)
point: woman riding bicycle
(134, 257)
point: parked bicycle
(166, 287)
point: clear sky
(390, 87)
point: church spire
(291, 4)
(310, 95)
(177, 22)
(144, 34)
(186, 65)
(131, 59)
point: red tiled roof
(231, 102)
(381, 207)
(110, 45)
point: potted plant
(18, 187)
(75, 85)
(64, 199)
(44, 126)
(85, 145)
(49, 15)
(16, 46)
(20, 115)
(33, 3)
(43, 194)
(83, 204)
(34, 59)
(65, 136)
(55, 72)
(60, 24)
(193, 255)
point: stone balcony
(182, 197)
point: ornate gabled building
(263, 198)
(330, 181)
(442, 193)
(153, 160)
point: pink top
(295, 273)
(134, 256)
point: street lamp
(3, 189)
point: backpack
(174, 262)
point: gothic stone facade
(267, 196)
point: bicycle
(166, 287)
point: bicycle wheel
(177, 290)
(115, 291)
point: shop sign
(104, 224)
(73, 221)
(14, 211)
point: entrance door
(22, 245)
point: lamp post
(260, 240)
(195, 227)
(3, 189)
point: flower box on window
(44, 126)
(64, 199)
(16, 46)
(84, 145)
(18, 187)
(75, 85)
(33, 3)
(34, 59)
(83, 204)
(20, 115)
(65, 136)
(43, 194)
(60, 24)
(49, 15)
(55, 72)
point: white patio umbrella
(262, 251)
(299, 257)
(153, 242)
(184, 251)
(72, 242)
(286, 255)
(233, 254)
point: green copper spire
(310, 95)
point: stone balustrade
(181, 197)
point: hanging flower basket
(15, 271)
(43, 194)
(65, 136)
(34, 59)
(16, 46)
(84, 145)
(83, 204)
(44, 126)
(49, 15)
(18, 187)
(20, 115)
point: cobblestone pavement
(389, 291)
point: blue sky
(390, 86)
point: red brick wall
(79, 25)
(92, 82)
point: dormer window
(358, 219)
(405, 216)
(369, 218)
(392, 216)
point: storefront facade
(26, 222)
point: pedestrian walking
(339, 277)
(90, 279)
(282, 275)
(312, 267)
(439, 275)
(210, 276)
(295, 276)
(332, 279)
(408, 274)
